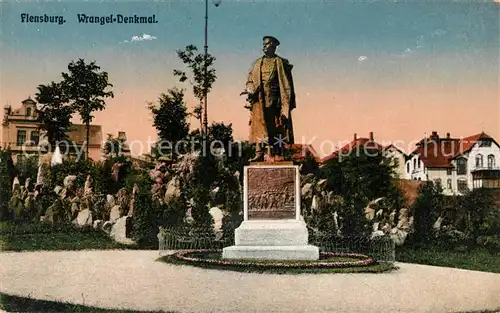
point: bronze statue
(271, 99)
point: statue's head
(270, 44)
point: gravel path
(133, 280)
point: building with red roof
(358, 144)
(458, 164)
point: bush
(7, 174)
(491, 243)
(426, 209)
(27, 168)
(69, 167)
(482, 216)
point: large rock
(84, 218)
(122, 230)
(106, 227)
(306, 190)
(173, 190)
(217, 215)
(115, 213)
(398, 236)
(97, 224)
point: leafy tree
(221, 133)
(482, 216)
(27, 168)
(54, 112)
(425, 210)
(7, 174)
(170, 119)
(363, 176)
(113, 146)
(85, 87)
(202, 74)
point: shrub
(491, 243)
(426, 208)
(7, 174)
(69, 167)
(27, 168)
(482, 216)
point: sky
(399, 69)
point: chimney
(434, 136)
(355, 136)
(371, 136)
(447, 135)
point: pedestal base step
(271, 233)
(307, 252)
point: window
(484, 143)
(437, 181)
(408, 167)
(28, 111)
(461, 166)
(418, 161)
(491, 161)
(448, 171)
(479, 160)
(35, 137)
(448, 184)
(414, 164)
(21, 137)
(462, 185)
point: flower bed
(327, 260)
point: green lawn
(477, 259)
(41, 236)
(11, 303)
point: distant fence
(380, 248)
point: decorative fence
(381, 248)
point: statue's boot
(259, 157)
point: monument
(273, 227)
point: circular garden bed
(329, 262)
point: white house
(398, 158)
(458, 164)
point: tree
(7, 174)
(426, 207)
(197, 114)
(170, 119)
(85, 87)
(113, 146)
(54, 112)
(202, 74)
(221, 133)
(364, 176)
(481, 215)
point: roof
(29, 100)
(438, 152)
(467, 143)
(410, 189)
(396, 148)
(78, 134)
(359, 143)
(300, 151)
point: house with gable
(397, 156)
(21, 133)
(358, 144)
(398, 160)
(457, 164)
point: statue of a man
(271, 99)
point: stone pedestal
(272, 228)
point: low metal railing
(381, 248)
